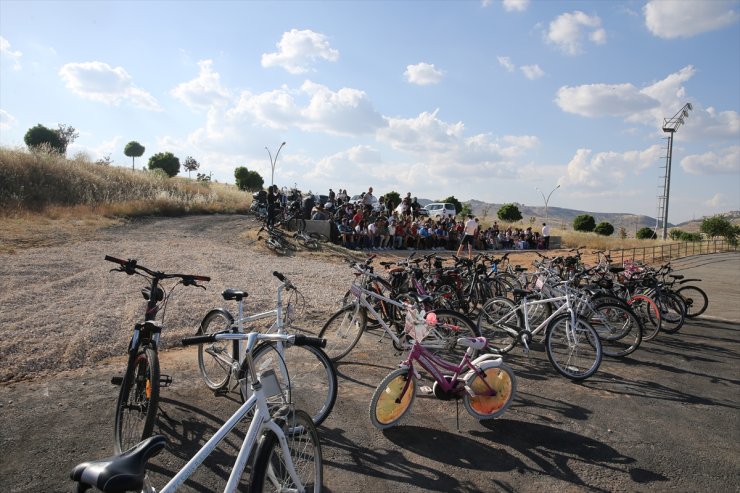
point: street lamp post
(546, 199)
(273, 162)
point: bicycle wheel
(270, 471)
(618, 327)
(442, 337)
(497, 378)
(320, 237)
(215, 358)
(573, 350)
(672, 312)
(308, 243)
(343, 330)
(276, 246)
(136, 408)
(392, 398)
(297, 224)
(648, 313)
(305, 374)
(500, 323)
(696, 300)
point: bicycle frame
(432, 364)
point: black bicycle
(138, 397)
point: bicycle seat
(616, 270)
(122, 472)
(234, 294)
(678, 277)
(473, 342)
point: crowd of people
(374, 224)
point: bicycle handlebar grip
(301, 340)
(115, 260)
(279, 276)
(192, 340)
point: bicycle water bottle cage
(234, 294)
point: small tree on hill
(67, 134)
(509, 213)
(133, 150)
(719, 226)
(646, 234)
(39, 136)
(466, 210)
(166, 161)
(604, 229)
(190, 164)
(584, 222)
(248, 180)
(452, 200)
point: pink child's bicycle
(487, 387)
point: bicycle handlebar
(130, 267)
(295, 339)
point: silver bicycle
(281, 446)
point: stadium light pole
(546, 199)
(670, 125)
(273, 162)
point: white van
(440, 209)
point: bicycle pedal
(426, 389)
(165, 381)
(116, 380)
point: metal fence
(665, 252)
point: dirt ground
(664, 419)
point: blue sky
(486, 100)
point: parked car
(441, 209)
(357, 200)
(422, 211)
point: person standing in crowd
(471, 226)
(272, 201)
(546, 236)
(368, 199)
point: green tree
(133, 150)
(584, 222)
(40, 136)
(392, 199)
(190, 164)
(250, 181)
(203, 177)
(67, 134)
(166, 161)
(509, 213)
(675, 234)
(719, 226)
(604, 229)
(452, 200)
(466, 210)
(646, 234)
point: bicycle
(223, 365)
(281, 447)
(345, 327)
(487, 388)
(573, 346)
(276, 240)
(138, 397)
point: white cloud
(515, 5)
(298, 50)
(7, 121)
(685, 18)
(98, 81)
(313, 107)
(606, 170)
(566, 31)
(597, 100)
(725, 161)
(532, 72)
(7, 52)
(423, 74)
(205, 90)
(719, 200)
(506, 62)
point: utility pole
(273, 162)
(670, 126)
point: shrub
(604, 229)
(165, 161)
(509, 213)
(646, 234)
(585, 222)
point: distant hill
(694, 225)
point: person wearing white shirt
(546, 235)
(471, 226)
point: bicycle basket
(416, 325)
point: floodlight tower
(670, 125)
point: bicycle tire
(618, 327)
(269, 472)
(574, 353)
(442, 339)
(672, 312)
(320, 237)
(648, 313)
(276, 247)
(215, 358)
(496, 376)
(297, 224)
(387, 407)
(310, 244)
(500, 323)
(343, 330)
(695, 298)
(138, 398)
(305, 373)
